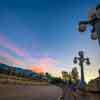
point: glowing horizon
(43, 35)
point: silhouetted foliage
(71, 77)
(56, 81)
(65, 75)
(74, 75)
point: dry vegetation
(6, 79)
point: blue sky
(44, 33)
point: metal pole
(82, 74)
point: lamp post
(81, 60)
(99, 72)
(94, 21)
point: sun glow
(38, 69)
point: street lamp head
(98, 7)
(75, 60)
(88, 61)
(82, 27)
(94, 35)
(98, 11)
(81, 53)
(92, 14)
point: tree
(56, 81)
(49, 77)
(41, 75)
(65, 75)
(74, 75)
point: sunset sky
(42, 35)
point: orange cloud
(45, 64)
(38, 69)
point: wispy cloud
(11, 59)
(48, 61)
(43, 63)
(19, 51)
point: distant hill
(18, 71)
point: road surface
(16, 92)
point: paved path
(15, 92)
(79, 95)
(71, 95)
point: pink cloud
(6, 44)
(19, 51)
(48, 61)
(45, 64)
(11, 59)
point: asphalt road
(15, 92)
